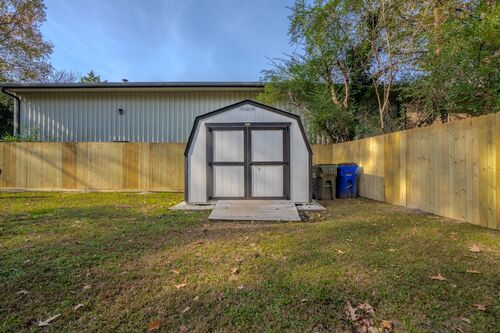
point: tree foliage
(459, 70)
(24, 54)
(90, 77)
(357, 60)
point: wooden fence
(92, 166)
(451, 169)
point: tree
(355, 56)
(63, 76)
(394, 30)
(319, 81)
(24, 55)
(460, 70)
(90, 77)
(6, 119)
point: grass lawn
(130, 262)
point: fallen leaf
(474, 248)
(240, 287)
(175, 271)
(303, 300)
(453, 285)
(220, 296)
(339, 251)
(392, 250)
(186, 309)
(87, 287)
(76, 307)
(480, 307)
(239, 260)
(179, 286)
(348, 239)
(235, 270)
(154, 325)
(196, 298)
(23, 292)
(438, 277)
(351, 312)
(183, 328)
(473, 271)
(386, 325)
(48, 321)
(467, 320)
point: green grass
(133, 251)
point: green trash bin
(324, 176)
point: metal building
(248, 150)
(128, 111)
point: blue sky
(168, 40)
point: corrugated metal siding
(156, 116)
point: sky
(168, 40)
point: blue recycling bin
(347, 174)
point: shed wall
(148, 116)
(299, 155)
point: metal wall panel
(148, 116)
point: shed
(247, 151)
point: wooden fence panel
(450, 169)
(92, 166)
(497, 163)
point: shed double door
(248, 161)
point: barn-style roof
(244, 102)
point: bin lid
(327, 169)
(347, 168)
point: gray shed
(248, 150)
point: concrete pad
(310, 207)
(185, 206)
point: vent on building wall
(247, 108)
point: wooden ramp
(255, 210)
